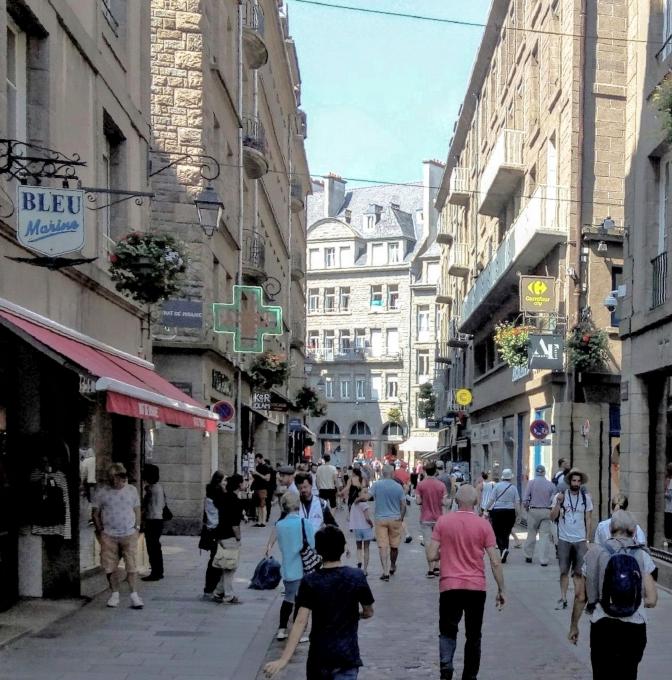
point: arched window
(360, 429)
(393, 430)
(329, 427)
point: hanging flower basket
(394, 415)
(308, 400)
(587, 348)
(268, 370)
(147, 266)
(662, 100)
(512, 343)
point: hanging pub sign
(50, 220)
(546, 351)
(537, 294)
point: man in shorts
(390, 508)
(573, 511)
(116, 516)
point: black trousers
(452, 605)
(502, 524)
(616, 648)
(153, 531)
(212, 574)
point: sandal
(392, 571)
(431, 574)
(385, 577)
(233, 600)
(562, 604)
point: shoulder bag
(309, 558)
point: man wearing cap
(286, 479)
(573, 510)
(537, 501)
(504, 508)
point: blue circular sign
(225, 410)
(539, 429)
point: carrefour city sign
(50, 220)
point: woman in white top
(603, 531)
(504, 507)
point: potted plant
(662, 99)
(308, 400)
(512, 343)
(269, 369)
(587, 348)
(394, 415)
(426, 401)
(148, 266)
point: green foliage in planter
(148, 266)
(426, 401)
(394, 415)
(268, 370)
(587, 348)
(512, 343)
(662, 99)
(308, 400)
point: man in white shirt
(603, 531)
(325, 479)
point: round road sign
(225, 410)
(539, 429)
(463, 397)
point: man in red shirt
(431, 496)
(460, 539)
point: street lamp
(210, 208)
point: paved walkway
(179, 636)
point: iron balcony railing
(351, 354)
(254, 135)
(659, 288)
(253, 17)
(254, 250)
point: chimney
(334, 194)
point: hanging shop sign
(537, 294)
(539, 429)
(50, 220)
(432, 424)
(295, 425)
(247, 318)
(463, 397)
(182, 313)
(267, 401)
(546, 351)
(221, 383)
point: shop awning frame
(420, 444)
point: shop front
(69, 406)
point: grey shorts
(291, 590)
(570, 556)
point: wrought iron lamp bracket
(23, 161)
(122, 194)
(208, 166)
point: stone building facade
(646, 323)
(226, 85)
(534, 185)
(371, 278)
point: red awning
(133, 387)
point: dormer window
(348, 216)
(369, 222)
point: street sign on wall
(537, 294)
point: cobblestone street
(178, 636)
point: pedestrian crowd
(459, 524)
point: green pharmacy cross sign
(247, 318)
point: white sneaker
(136, 601)
(114, 600)
(282, 634)
(304, 638)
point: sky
(382, 93)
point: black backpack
(622, 585)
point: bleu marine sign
(50, 220)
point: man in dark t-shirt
(333, 595)
(260, 482)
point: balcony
(458, 260)
(298, 266)
(253, 35)
(502, 173)
(254, 257)
(659, 283)
(255, 154)
(459, 193)
(297, 196)
(297, 340)
(443, 353)
(445, 233)
(457, 339)
(540, 226)
(352, 354)
(443, 295)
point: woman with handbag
(227, 554)
(213, 501)
(504, 508)
(153, 514)
(293, 534)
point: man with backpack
(617, 585)
(573, 511)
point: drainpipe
(289, 273)
(410, 346)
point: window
(393, 297)
(344, 297)
(378, 254)
(313, 300)
(314, 258)
(115, 177)
(376, 342)
(346, 256)
(329, 299)
(664, 202)
(360, 387)
(345, 388)
(330, 427)
(370, 222)
(344, 341)
(667, 28)
(422, 366)
(376, 386)
(392, 390)
(393, 430)
(329, 257)
(422, 323)
(329, 388)
(376, 297)
(616, 281)
(392, 253)
(360, 428)
(360, 338)
(329, 345)
(392, 338)
(433, 271)
(16, 83)
(313, 339)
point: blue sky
(382, 93)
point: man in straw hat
(573, 511)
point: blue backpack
(622, 586)
(267, 575)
